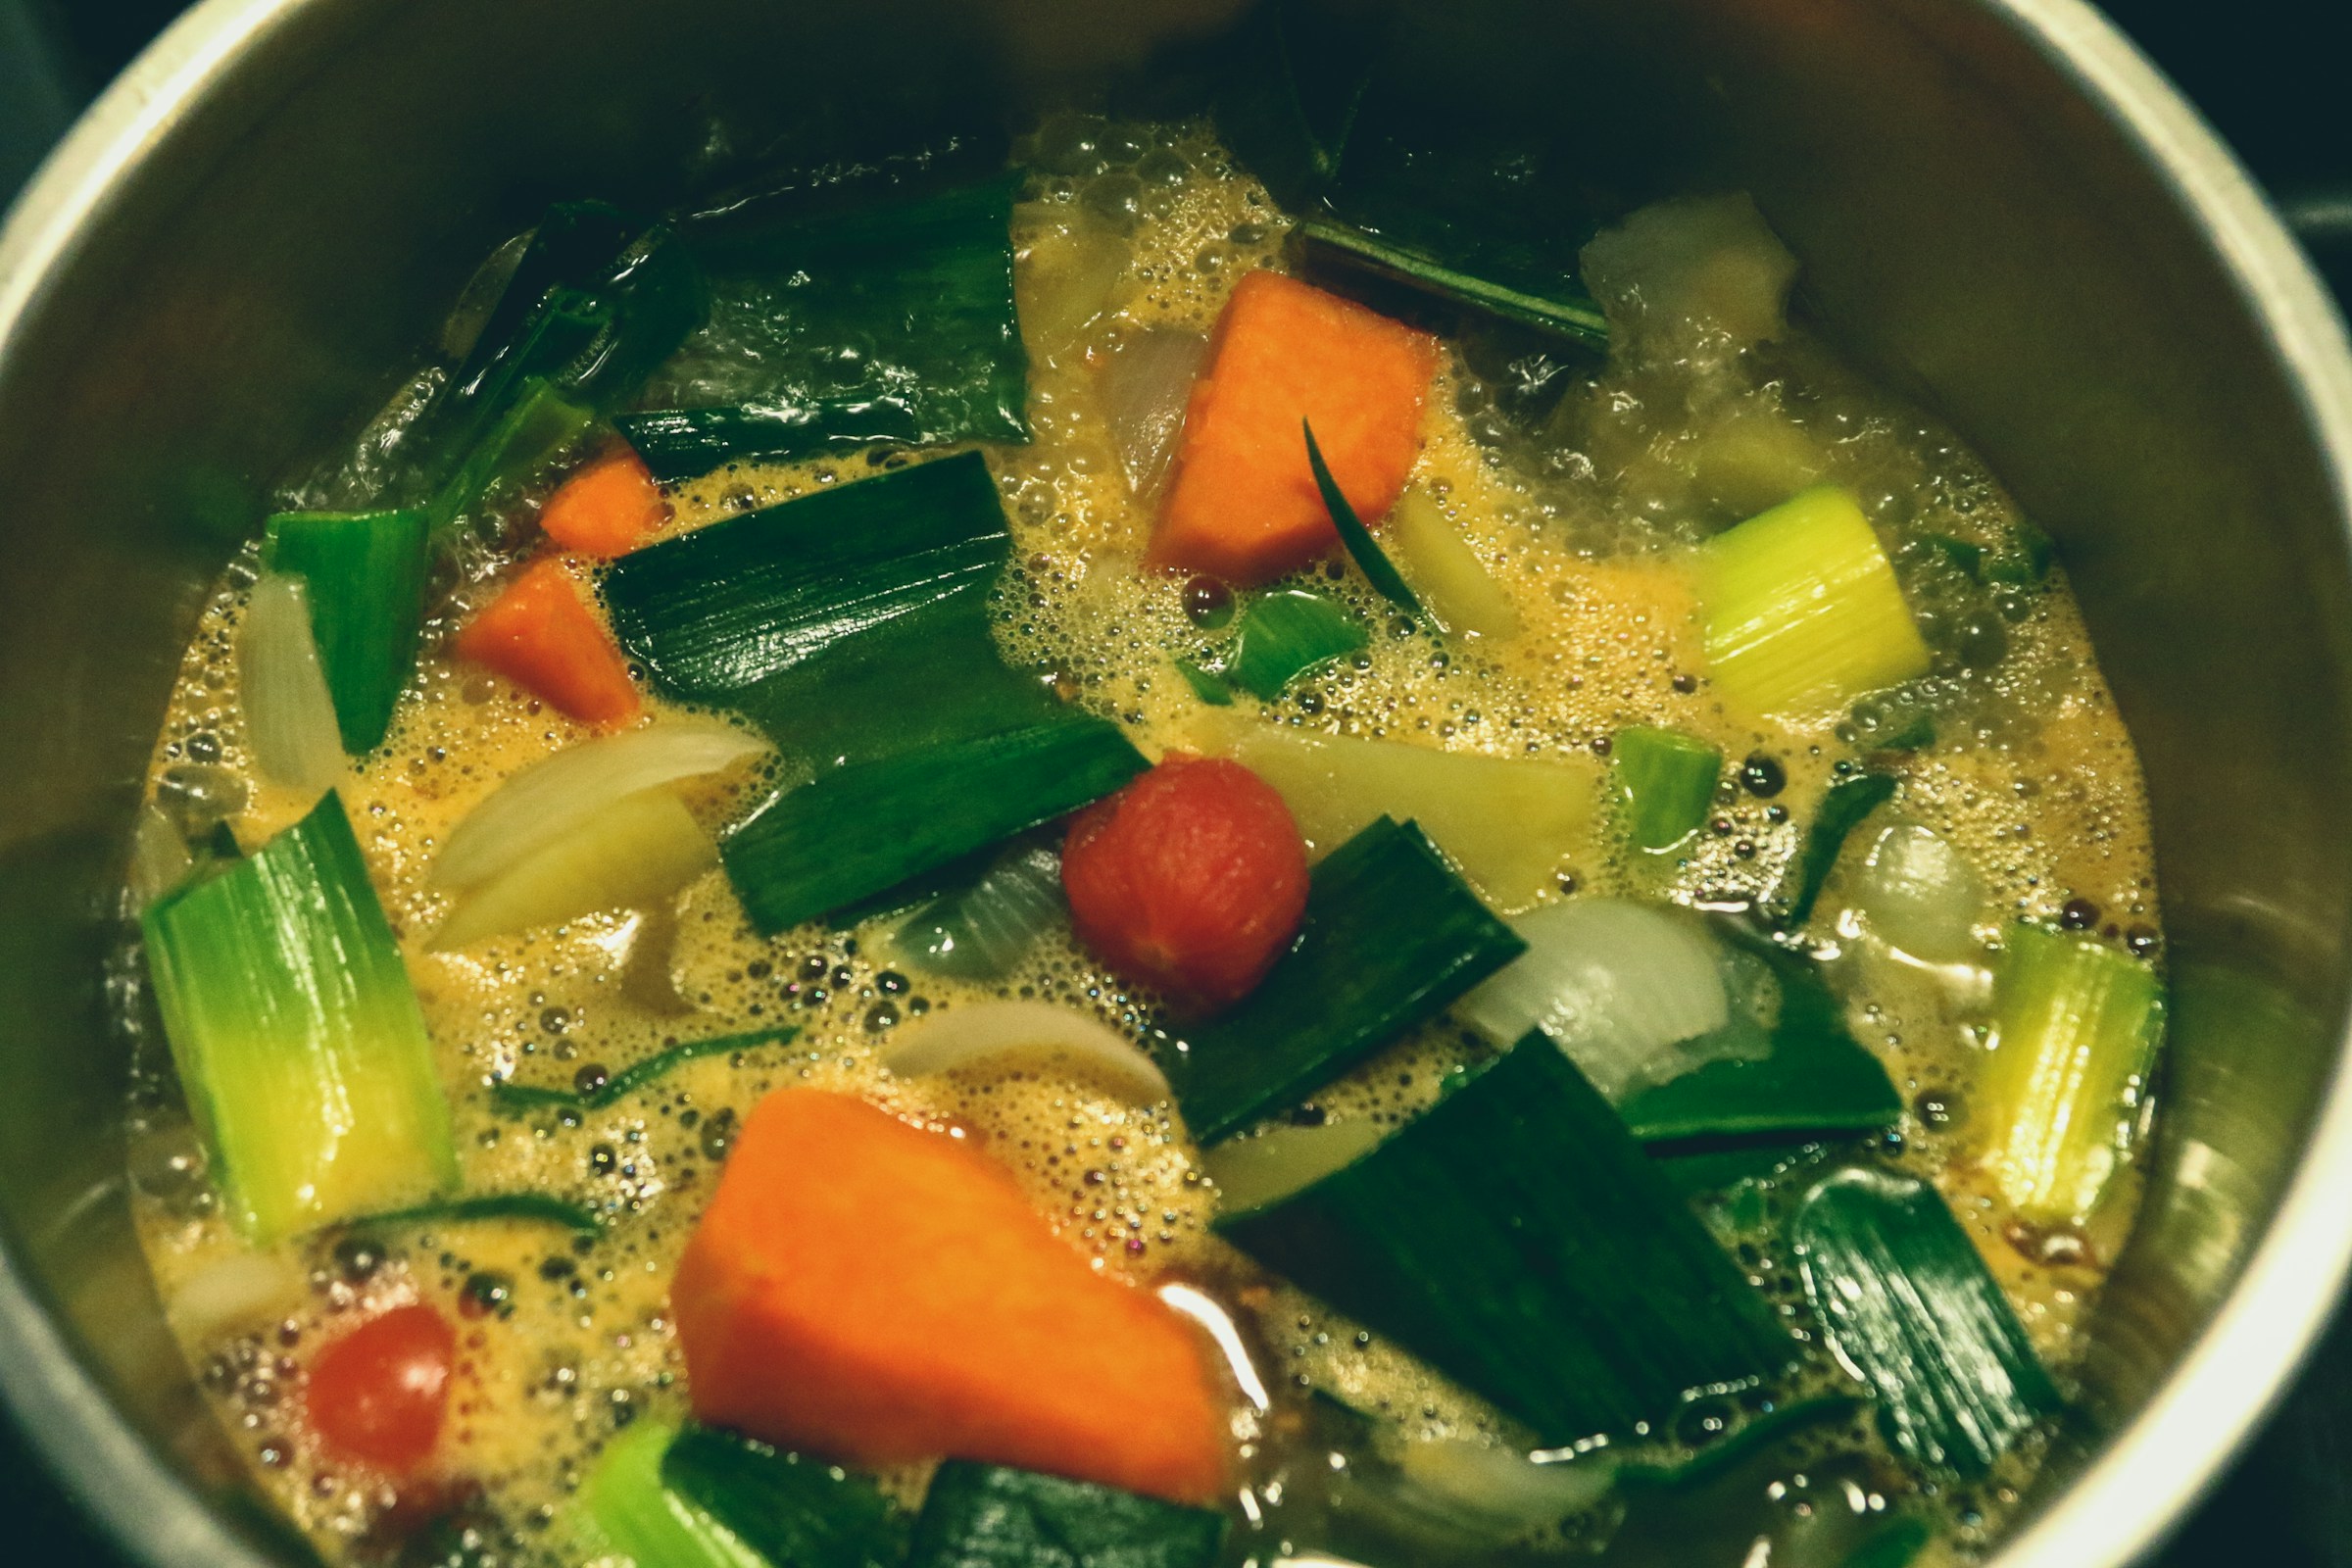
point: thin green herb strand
(1359, 539)
(526, 1097)
(541, 1206)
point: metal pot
(2000, 209)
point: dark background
(2265, 75)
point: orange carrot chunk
(607, 507)
(1242, 505)
(540, 636)
(880, 1293)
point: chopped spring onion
(625, 1510)
(1908, 1307)
(1518, 1239)
(1146, 388)
(868, 827)
(1284, 635)
(1785, 1069)
(1665, 782)
(957, 1037)
(1919, 894)
(796, 1512)
(549, 800)
(519, 1097)
(1801, 608)
(542, 1208)
(1509, 823)
(2075, 1028)
(980, 1514)
(303, 1053)
(364, 575)
(1390, 938)
(631, 855)
(289, 713)
(981, 931)
(1842, 808)
(921, 288)
(1453, 582)
(1632, 993)
(1375, 565)
(1254, 1173)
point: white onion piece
(289, 716)
(240, 1290)
(633, 855)
(1252, 1172)
(1500, 1490)
(959, 1037)
(159, 856)
(1618, 985)
(549, 800)
(1691, 268)
(1919, 894)
(1144, 389)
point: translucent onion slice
(239, 1290)
(289, 715)
(633, 855)
(549, 800)
(1499, 1492)
(960, 1037)
(1252, 1172)
(1144, 389)
(1618, 985)
(1920, 895)
(159, 856)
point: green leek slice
(793, 1511)
(1284, 635)
(989, 1516)
(1518, 1239)
(1666, 782)
(890, 320)
(860, 829)
(303, 1049)
(1907, 1304)
(1392, 936)
(1801, 610)
(625, 1510)
(364, 573)
(2075, 1028)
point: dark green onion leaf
(522, 1098)
(1565, 310)
(1906, 1301)
(892, 322)
(870, 825)
(1290, 96)
(980, 931)
(1205, 683)
(988, 1516)
(575, 245)
(541, 429)
(538, 1207)
(365, 573)
(1666, 780)
(1897, 1544)
(1391, 939)
(1518, 1239)
(1842, 807)
(793, 1511)
(294, 1028)
(1284, 635)
(654, 298)
(1814, 1081)
(1377, 569)
(1753, 1438)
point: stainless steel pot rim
(2134, 1493)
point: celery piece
(364, 573)
(1801, 608)
(625, 1508)
(2075, 1028)
(1284, 635)
(303, 1049)
(1665, 782)
(1369, 558)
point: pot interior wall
(1967, 227)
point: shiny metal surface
(1998, 205)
